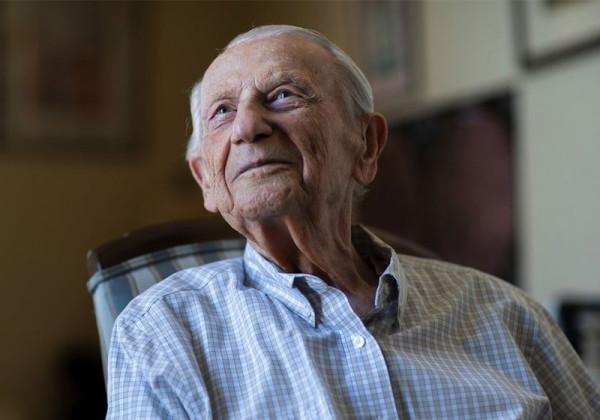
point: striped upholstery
(113, 287)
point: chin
(266, 204)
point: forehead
(253, 63)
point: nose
(250, 124)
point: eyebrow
(226, 94)
(284, 78)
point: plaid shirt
(241, 339)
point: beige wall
(560, 180)
(56, 207)
(467, 48)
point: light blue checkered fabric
(114, 287)
(239, 339)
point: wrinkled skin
(281, 155)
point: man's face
(277, 133)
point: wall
(55, 207)
(560, 179)
(467, 48)
(470, 50)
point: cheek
(215, 156)
(309, 133)
(325, 148)
(215, 160)
(329, 148)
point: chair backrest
(125, 267)
(156, 238)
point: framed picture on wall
(67, 76)
(552, 30)
(579, 318)
(387, 51)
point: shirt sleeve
(571, 390)
(142, 381)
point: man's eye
(222, 110)
(283, 94)
(283, 99)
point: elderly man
(320, 319)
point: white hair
(358, 92)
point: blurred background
(493, 158)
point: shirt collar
(266, 276)
(385, 262)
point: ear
(204, 184)
(375, 134)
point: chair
(125, 267)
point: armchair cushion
(114, 287)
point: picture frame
(67, 79)
(579, 318)
(386, 49)
(551, 31)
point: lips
(260, 163)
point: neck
(321, 246)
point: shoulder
(435, 286)
(421, 272)
(202, 282)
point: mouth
(261, 164)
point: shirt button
(358, 341)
